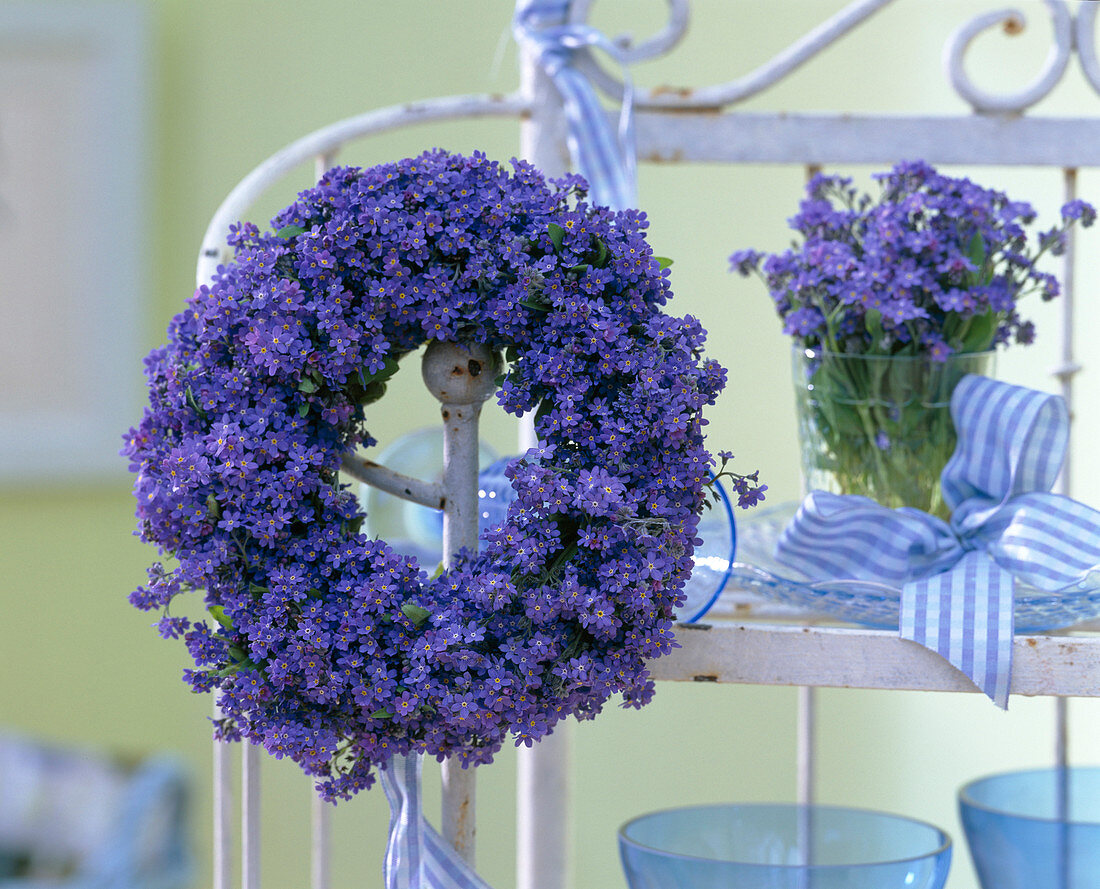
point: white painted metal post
(223, 806)
(544, 769)
(250, 816)
(461, 378)
(320, 822)
(806, 741)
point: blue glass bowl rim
(945, 845)
(966, 800)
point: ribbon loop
(958, 580)
(606, 161)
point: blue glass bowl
(1038, 829)
(782, 846)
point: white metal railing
(668, 131)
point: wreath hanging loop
(327, 646)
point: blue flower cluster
(936, 265)
(326, 646)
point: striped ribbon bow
(606, 161)
(417, 857)
(957, 579)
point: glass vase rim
(1050, 771)
(944, 845)
(925, 358)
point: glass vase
(879, 426)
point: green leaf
(545, 406)
(256, 590)
(976, 252)
(289, 231)
(238, 654)
(438, 571)
(308, 386)
(602, 254)
(537, 305)
(372, 392)
(873, 322)
(303, 409)
(383, 713)
(663, 261)
(389, 368)
(218, 613)
(192, 403)
(415, 613)
(213, 508)
(557, 235)
(979, 334)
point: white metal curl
(720, 95)
(324, 143)
(1084, 38)
(657, 45)
(1013, 22)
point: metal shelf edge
(766, 654)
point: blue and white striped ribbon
(957, 579)
(417, 857)
(605, 159)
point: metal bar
(461, 378)
(320, 872)
(396, 483)
(250, 816)
(1068, 367)
(542, 812)
(806, 751)
(802, 139)
(806, 738)
(223, 807)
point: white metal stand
(696, 126)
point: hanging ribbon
(607, 161)
(957, 578)
(417, 857)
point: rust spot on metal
(474, 367)
(458, 370)
(1032, 642)
(681, 92)
(446, 414)
(657, 157)
(1013, 25)
(704, 678)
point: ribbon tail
(417, 857)
(966, 616)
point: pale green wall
(232, 82)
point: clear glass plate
(874, 604)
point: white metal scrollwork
(1012, 22)
(1070, 32)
